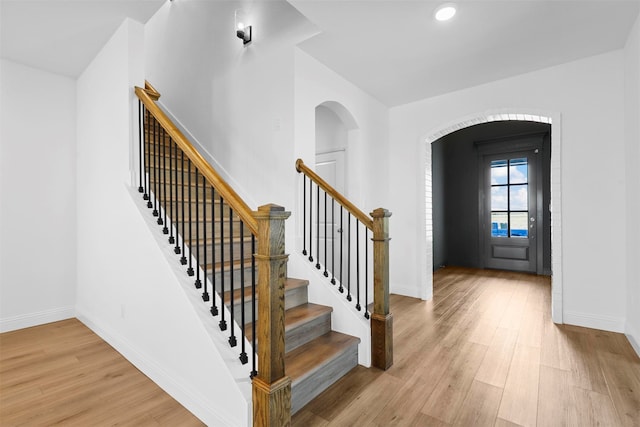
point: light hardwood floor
(484, 352)
(64, 374)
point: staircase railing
(343, 255)
(235, 254)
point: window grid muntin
(507, 163)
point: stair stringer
(223, 368)
(344, 318)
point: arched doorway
(335, 140)
(556, 210)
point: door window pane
(519, 224)
(510, 197)
(518, 197)
(499, 224)
(498, 172)
(518, 171)
(499, 199)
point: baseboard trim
(196, 404)
(605, 323)
(634, 338)
(406, 291)
(35, 319)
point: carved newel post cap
(271, 208)
(380, 213)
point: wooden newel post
(271, 388)
(381, 319)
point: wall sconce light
(243, 31)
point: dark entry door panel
(509, 193)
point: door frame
(508, 145)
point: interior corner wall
(588, 95)
(37, 196)
(236, 101)
(632, 229)
(128, 292)
(367, 175)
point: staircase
(211, 242)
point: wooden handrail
(361, 216)
(148, 96)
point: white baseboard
(196, 404)
(34, 319)
(634, 338)
(605, 323)
(406, 291)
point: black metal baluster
(243, 355)
(358, 307)
(171, 199)
(141, 151)
(163, 195)
(183, 259)
(176, 249)
(198, 282)
(232, 339)
(333, 242)
(349, 256)
(223, 323)
(366, 274)
(191, 238)
(318, 227)
(155, 168)
(254, 372)
(304, 214)
(326, 261)
(205, 294)
(341, 288)
(147, 156)
(214, 305)
(310, 220)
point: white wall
(588, 95)
(632, 132)
(127, 290)
(37, 196)
(236, 101)
(367, 174)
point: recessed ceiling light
(445, 12)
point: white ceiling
(63, 36)
(396, 51)
(392, 49)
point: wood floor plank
(623, 380)
(480, 405)
(589, 408)
(449, 395)
(369, 403)
(520, 398)
(495, 365)
(553, 382)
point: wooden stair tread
(312, 356)
(297, 316)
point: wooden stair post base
(382, 341)
(271, 402)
